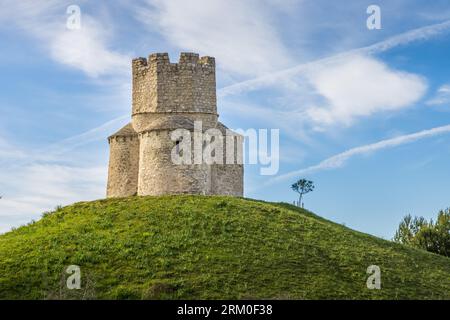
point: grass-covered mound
(200, 247)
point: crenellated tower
(168, 96)
(164, 89)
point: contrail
(339, 159)
(53, 151)
(94, 134)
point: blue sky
(363, 113)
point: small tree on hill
(302, 187)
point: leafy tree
(408, 229)
(302, 187)
(431, 236)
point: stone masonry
(168, 96)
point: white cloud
(85, 49)
(441, 97)
(286, 75)
(27, 11)
(29, 191)
(238, 33)
(337, 93)
(361, 86)
(33, 182)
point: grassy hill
(199, 247)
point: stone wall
(228, 178)
(158, 175)
(123, 166)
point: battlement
(162, 59)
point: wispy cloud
(32, 182)
(274, 78)
(17, 156)
(101, 132)
(30, 190)
(238, 33)
(441, 97)
(85, 49)
(340, 159)
(8, 151)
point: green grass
(200, 247)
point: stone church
(168, 96)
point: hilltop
(208, 247)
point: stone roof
(171, 123)
(223, 128)
(126, 131)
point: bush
(431, 236)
